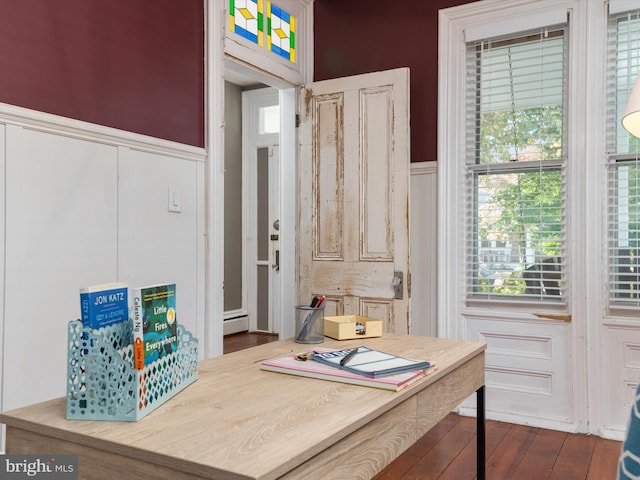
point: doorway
(259, 212)
(229, 54)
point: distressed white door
(354, 196)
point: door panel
(261, 164)
(354, 195)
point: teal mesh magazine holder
(102, 383)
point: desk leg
(480, 434)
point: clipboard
(369, 363)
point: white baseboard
(235, 325)
(519, 419)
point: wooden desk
(238, 422)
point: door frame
(216, 61)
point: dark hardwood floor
(514, 452)
(447, 452)
(239, 341)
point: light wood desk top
(239, 422)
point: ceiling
(240, 78)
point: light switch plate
(175, 200)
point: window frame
(545, 285)
(454, 23)
(616, 160)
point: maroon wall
(136, 65)
(362, 36)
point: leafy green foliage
(519, 207)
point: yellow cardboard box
(343, 327)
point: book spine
(84, 308)
(136, 316)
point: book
(293, 365)
(105, 304)
(153, 311)
(367, 362)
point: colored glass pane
(281, 32)
(246, 19)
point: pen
(348, 357)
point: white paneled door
(354, 196)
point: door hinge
(297, 120)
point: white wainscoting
(85, 204)
(423, 226)
(61, 233)
(526, 358)
(621, 353)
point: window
(269, 120)
(623, 166)
(247, 20)
(281, 32)
(515, 165)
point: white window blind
(516, 155)
(619, 6)
(623, 166)
(516, 24)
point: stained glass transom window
(281, 32)
(246, 19)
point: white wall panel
(526, 359)
(424, 249)
(3, 130)
(199, 293)
(61, 234)
(158, 246)
(622, 367)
